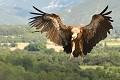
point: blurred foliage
(14, 34)
(36, 62)
(46, 64)
(13, 45)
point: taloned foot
(71, 56)
(82, 58)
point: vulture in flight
(77, 40)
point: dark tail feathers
(68, 48)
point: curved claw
(71, 56)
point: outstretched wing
(55, 30)
(97, 30)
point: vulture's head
(75, 31)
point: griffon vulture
(84, 38)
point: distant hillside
(11, 18)
(83, 12)
(17, 11)
(72, 12)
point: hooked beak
(74, 36)
(71, 39)
(58, 29)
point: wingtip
(107, 13)
(107, 6)
(38, 10)
(35, 13)
(104, 9)
(34, 7)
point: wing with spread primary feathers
(97, 30)
(55, 30)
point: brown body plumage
(84, 38)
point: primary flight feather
(83, 38)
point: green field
(93, 67)
(96, 66)
(111, 43)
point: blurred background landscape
(30, 56)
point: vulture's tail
(76, 53)
(68, 48)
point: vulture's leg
(81, 49)
(73, 48)
(71, 56)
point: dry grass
(54, 46)
(49, 45)
(19, 46)
(59, 48)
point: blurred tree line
(14, 34)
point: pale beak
(74, 36)
(71, 39)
